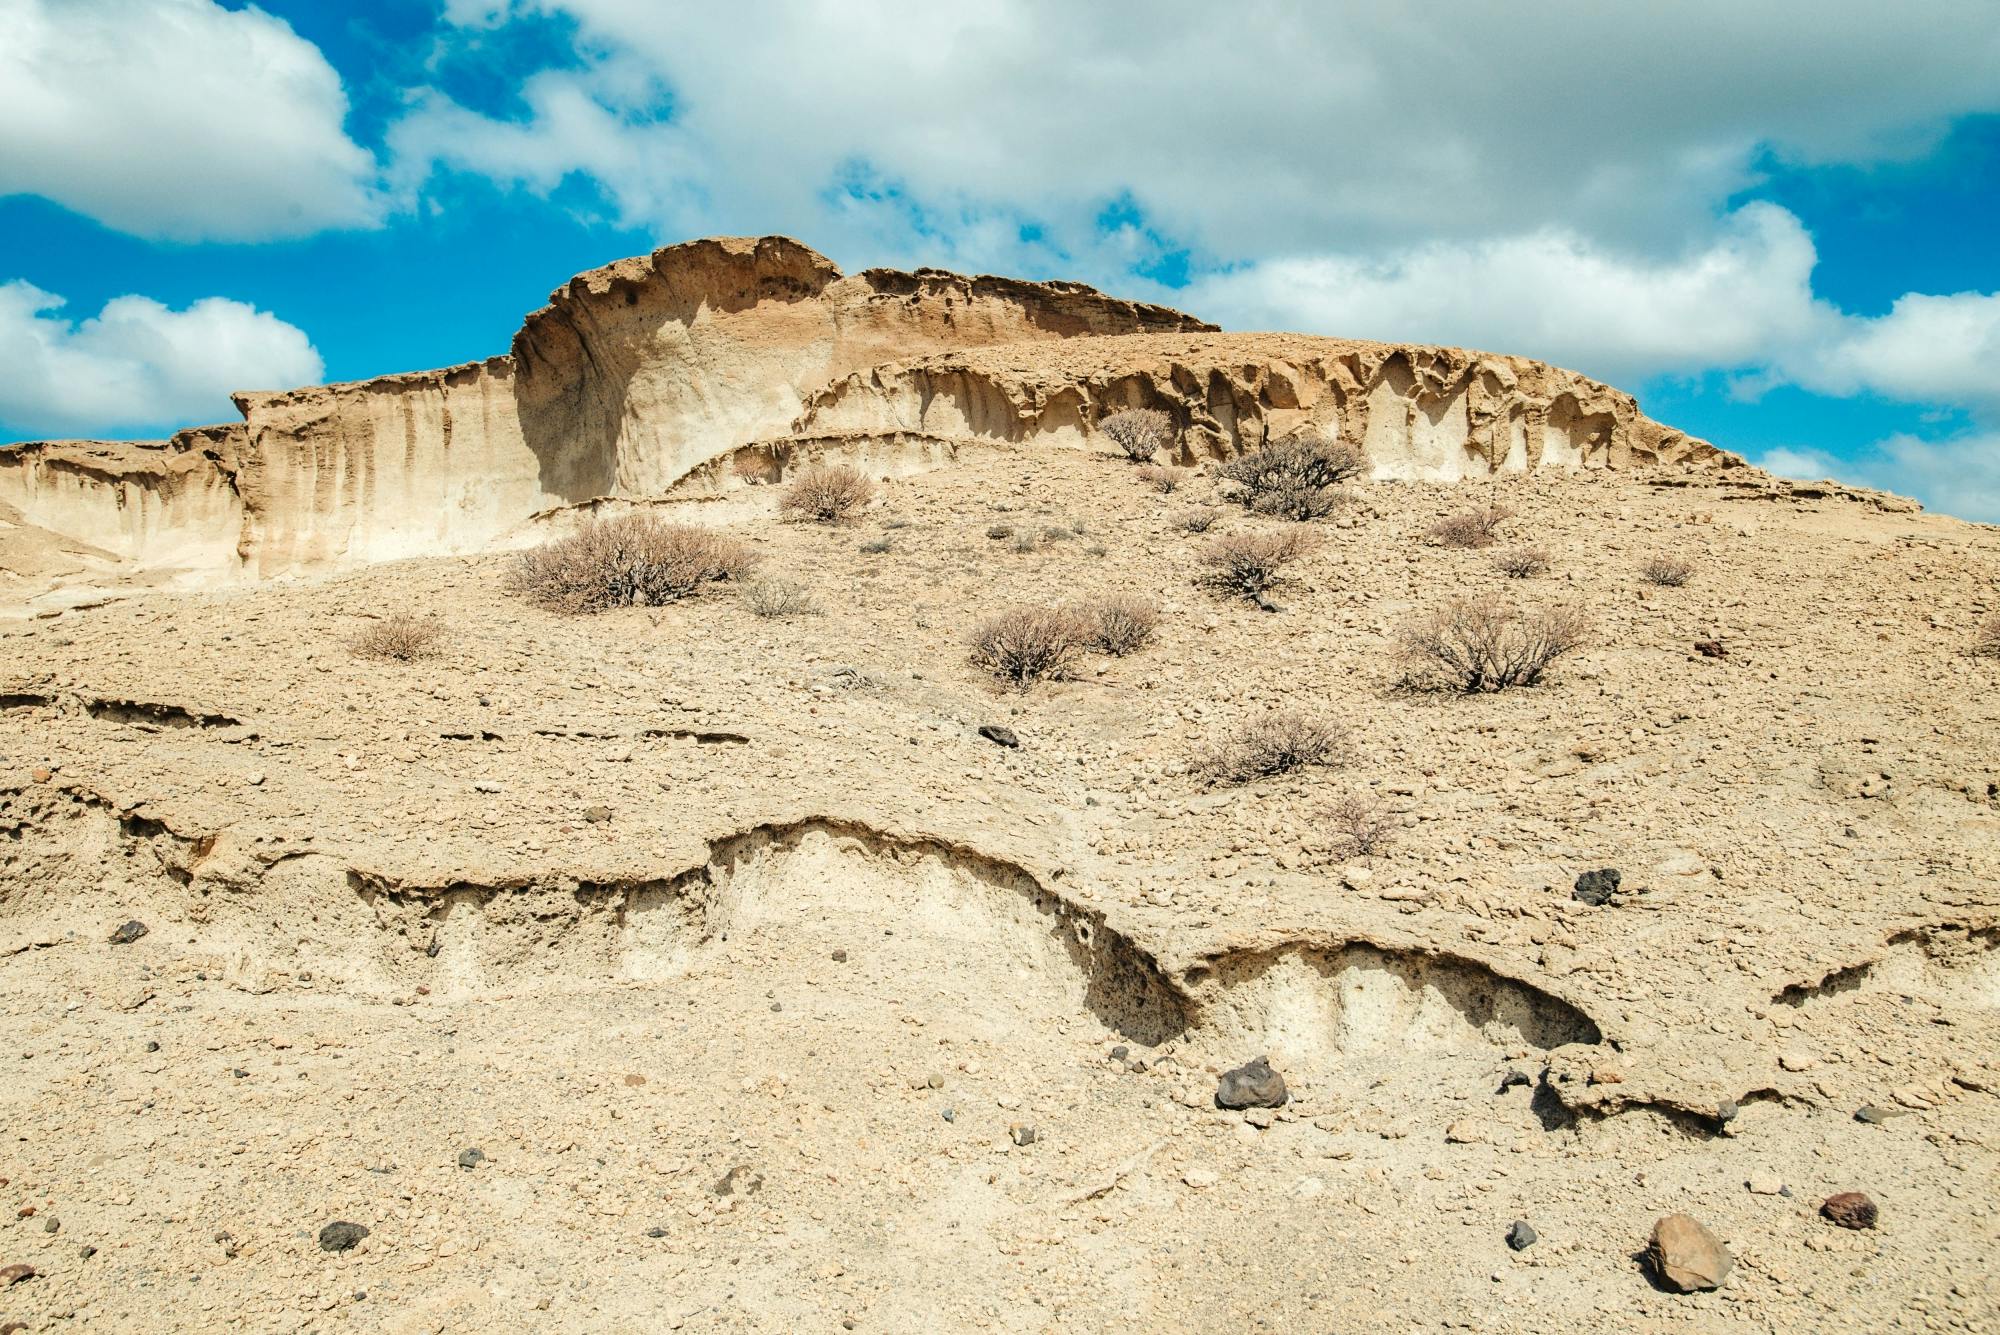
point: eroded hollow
(1315, 1006)
(1953, 964)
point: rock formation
(714, 362)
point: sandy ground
(776, 998)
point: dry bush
(1297, 478)
(1120, 623)
(827, 494)
(401, 637)
(1200, 519)
(1140, 432)
(776, 599)
(628, 561)
(1669, 572)
(1523, 562)
(1361, 826)
(1986, 643)
(1250, 563)
(1029, 644)
(1274, 744)
(1478, 527)
(1486, 644)
(1162, 480)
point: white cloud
(1935, 349)
(1959, 475)
(177, 120)
(138, 364)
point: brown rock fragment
(1849, 1209)
(1685, 1257)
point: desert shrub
(1297, 478)
(1359, 826)
(1274, 744)
(401, 637)
(827, 493)
(1486, 644)
(1026, 542)
(1140, 432)
(627, 561)
(1986, 642)
(1120, 623)
(1162, 480)
(1200, 519)
(1523, 562)
(1669, 572)
(1029, 644)
(1477, 527)
(1250, 563)
(776, 599)
(877, 546)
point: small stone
(471, 1158)
(341, 1236)
(597, 815)
(86, 1251)
(1876, 1116)
(840, 957)
(634, 1080)
(41, 774)
(1465, 1132)
(1710, 649)
(656, 1232)
(52, 1226)
(1120, 1053)
(949, 1114)
(1251, 1085)
(1685, 1257)
(1201, 1179)
(15, 1274)
(934, 1080)
(1520, 1236)
(1796, 1061)
(152, 1045)
(1595, 888)
(128, 932)
(1727, 1111)
(1022, 1134)
(485, 786)
(1764, 1184)
(1849, 1209)
(999, 736)
(1261, 1118)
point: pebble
(597, 815)
(1849, 1209)
(341, 1236)
(15, 1274)
(1685, 1257)
(1596, 887)
(1251, 1085)
(1520, 1236)
(1022, 1134)
(999, 736)
(1201, 1179)
(471, 1158)
(128, 932)
(1764, 1184)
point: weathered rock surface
(1685, 1257)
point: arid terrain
(683, 967)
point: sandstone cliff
(718, 361)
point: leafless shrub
(401, 637)
(1120, 623)
(777, 599)
(827, 494)
(1486, 644)
(1668, 572)
(1986, 643)
(1028, 644)
(1140, 432)
(1026, 542)
(1200, 519)
(1250, 563)
(1274, 744)
(1477, 527)
(877, 546)
(1162, 480)
(630, 560)
(1361, 826)
(1523, 562)
(1297, 478)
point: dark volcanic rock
(1850, 1209)
(341, 1236)
(1596, 887)
(128, 932)
(999, 736)
(1520, 1236)
(1251, 1085)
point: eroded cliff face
(1418, 412)
(724, 361)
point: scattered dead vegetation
(1667, 572)
(1250, 563)
(1477, 527)
(1200, 519)
(1120, 623)
(1024, 645)
(1140, 432)
(779, 599)
(1488, 644)
(1360, 825)
(402, 638)
(1275, 744)
(1523, 562)
(1163, 480)
(827, 493)
(1297, 478)
(627, 561)
(1986, 641)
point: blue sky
(1777, 227)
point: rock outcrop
(717, 362)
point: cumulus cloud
(1927, 349)
(177, 120)
(1959, 475)
(138, 364)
